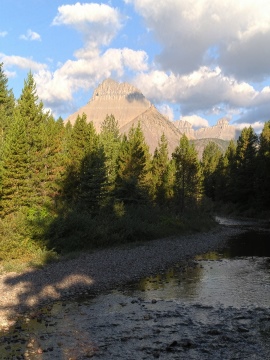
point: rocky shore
(100, 270)
(41, 320)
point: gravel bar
(100, 270)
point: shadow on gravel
(29, 312)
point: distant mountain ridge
(222, 130)
(130, 107)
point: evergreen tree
(110, 140)
(246, 154)
(93, 181)
(29, 134)
(7, 103)
(81, 140)
(263, 170)
(210, 159)
(133, 168)
(15, 187)
(54, 160)
(225, 175)
(187, 174)
(162, 179)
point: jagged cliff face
(129, 107)
(185, 127)
(122, 100)
(222, 130)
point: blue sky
(196, 60)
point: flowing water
(237, 276)
(219, 304)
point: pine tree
(92, 189)
(246, 154)
(29, 132)
(187, 174)
(110, 140)
(54, 161)
(263, 170)
(133, 168)
(225, 175)
(15, 187)
(7, 103)
(161, 175)
(210, 159)
(33, 147)
(81, 140)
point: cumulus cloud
(199, 91)
(31, 36)
(99, 23)
(233, 34)
(57, 87)
(3, 33)
(21, 62)
(166, 110)
(257, 126)
(195, 120)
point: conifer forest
(66, 188)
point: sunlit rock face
(153, 125)
(122, 100)
(129, 107)
(186, 128)
(222, 130)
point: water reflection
(174, 284)
(237, 276)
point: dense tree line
(241, 176)
(71, 182)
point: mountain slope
(129, 107)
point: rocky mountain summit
(130, 107)
(222, 130)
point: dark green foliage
(15, 184)
(78, 230)
(7, 103)
(246, 164)
(187, 174)
(81, 140)
(210, 160)
(263, 169)
(92, 181)
(132, 181)
(162, 174)
(110, 141)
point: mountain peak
(111, 89)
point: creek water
(238, 277)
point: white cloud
(199, 91)
(21, 62)
(257, 126)
(192, 33)
(10, 74)
(99, 23)
(166, 110)
(85, 73)
(31, 35)
(195, 120)
(3, 33)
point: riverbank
(92, 273)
